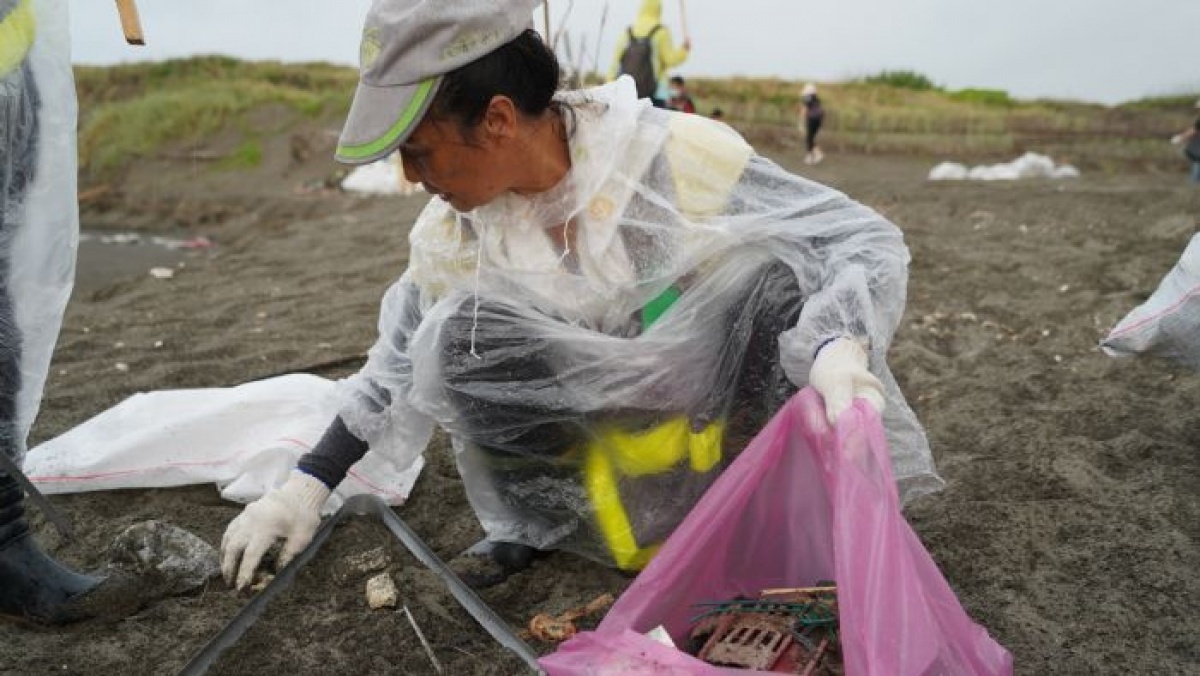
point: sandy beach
(1069, 526)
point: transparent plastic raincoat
(39, 221)
(594, 383)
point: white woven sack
(1168, 323)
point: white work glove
(291, 512)
(840, 374)
(1176, 139)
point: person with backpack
(645, 51)
(1190, 140)
(604, 301)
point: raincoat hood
(649, 16)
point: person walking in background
(645, 52)
(1190, 140)
(678, 97)
(812, 115)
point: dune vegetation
(131, 111)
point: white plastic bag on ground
(1029, 165)
(245, 439)
(948, 171)
(1168, 323)
(385, 177)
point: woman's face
(467, 173)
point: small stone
(158, 343)
(122, 367)
(382, 592)
(162, 273)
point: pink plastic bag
(804, 502)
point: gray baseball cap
(407, 46)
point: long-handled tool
(683, 19)
(362, 505)
(131, 25)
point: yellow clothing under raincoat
(666, 54)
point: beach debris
(261, 580)
(382, 592)
(792, 630)
(162, 273)
(548, 628)
(421, 637)
(118, 238)
(197, 242)
(166, 559)
(1029, 165)
(363, 563)
(122, 367)
(558, 628)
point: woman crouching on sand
(604, 300)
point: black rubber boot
(33, 586)
(487, 564)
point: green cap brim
(373, 129)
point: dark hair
(525, 70)
(675, 79)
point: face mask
(675, 93)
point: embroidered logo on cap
(369, 50)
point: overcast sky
(1106, 51)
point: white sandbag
(1029, 165)
(1168, 323)
(948, 171)
(1033, 165)
(384, 177)
(245, 439)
